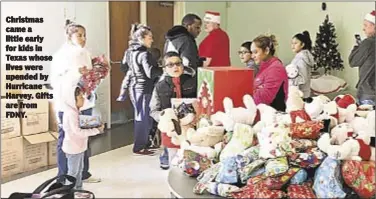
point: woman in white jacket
(70, 62)
(301, 44)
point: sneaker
(92, 180)
(163, 158)
(153, 147)
(144, 152)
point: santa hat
(343, 101)
(370, 17)
(214, 17)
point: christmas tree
(325, 50)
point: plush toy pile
(92, 79)
(318, 149)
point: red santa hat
(370, 17)
(343, 101)
(214, 17)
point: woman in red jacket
(271, 82)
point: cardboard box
(35, 150)
(216, 83)
(12, 156)
(10, 127)
(52, 155)
(37, 119)
(52, 120)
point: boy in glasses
(173, 84)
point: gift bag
(328, 179)
(276, 167)
(246, 172)
(301, 145)
(220, 189)
(310, 159)
(360, 176)
(276, 183)
(257, 191)
(228, 171)
(300, 177)
(194, 163)
(306, 130)
(209, 174)
(300, 191)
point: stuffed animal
(170, 123)
(330, 112)
(267, 117)
(340, 133)
(236, 115)
(241, 139)
(364, 125)
(295, 106)
(293, 73)
(352, 149)
(205, 136)
(314, 106)
(347, 108)
(209, 152)
(274, 141)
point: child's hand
(101, 128)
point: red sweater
(217, 47)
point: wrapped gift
(91, 80)
(257, 191)
(328, 179)
(89, 121)
(216, 83)
(194, 164)
(306, 130)
(300, 191)
(228, 171)
(220, 189)
(276, 183)
(276, 167)
(300, 177)
(311, 158)
(209, 174)
(360, 176)
(246, 172)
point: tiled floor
(123, 176)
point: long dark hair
(305, 38)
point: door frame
(179, 12)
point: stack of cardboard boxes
(26, 143)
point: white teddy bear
(295, 78)
(236, 115)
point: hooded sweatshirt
(304, 61)
(141, 68)
(363, 56)
(65, 65)
(179, 40)
(76, 139)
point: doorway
(160, 18)
(122, 15)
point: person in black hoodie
(143, 71)
(181, 39)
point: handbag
(54, 190)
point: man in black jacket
(181, 39)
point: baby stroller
(52, 189)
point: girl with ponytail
(303, 61)
(141, 72)
(69, 64)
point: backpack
(52, 189)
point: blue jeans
(142, 119)
(367, 102)
(75, 164)
(61, 156)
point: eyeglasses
(243, 52)
(171, 65)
